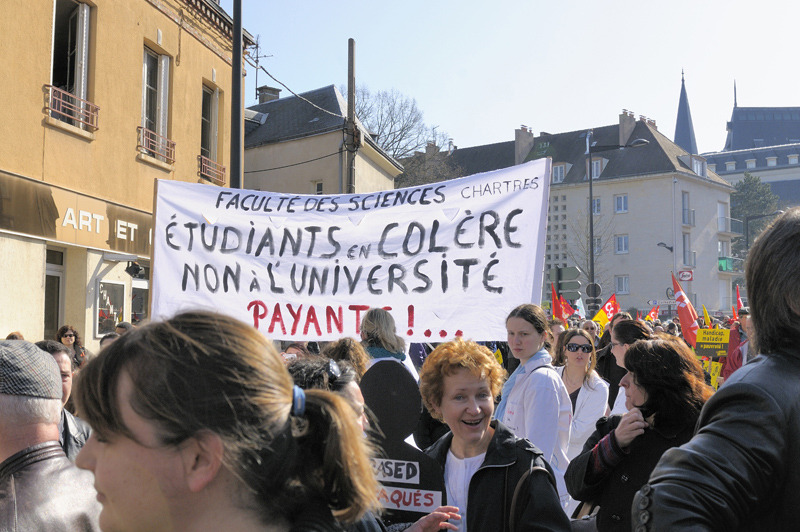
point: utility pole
(236, 98)
(351, 145)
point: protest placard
(712, 342)
(447, 259)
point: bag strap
(518, 489)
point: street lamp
(747, 220)
(664, 245)
(589, 151)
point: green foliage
(751, 198)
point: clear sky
(479, 70)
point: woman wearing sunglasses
(587, 390)
(665, 390)
(68, 336)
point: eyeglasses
(586, 348)
(70, 335)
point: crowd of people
(199, 423)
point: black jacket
(41, 490)
(74, 433)
(741, 471)
(608, 369)
(614, 491)
(492, 487)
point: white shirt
(540, 410)
(457, 476)
(619, 403)
(590, 406)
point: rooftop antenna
(734, 94)
(257, 57)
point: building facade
(107, 97)
(296, 145)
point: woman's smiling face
(467, 406)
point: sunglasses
(586, 348)
(68, 336)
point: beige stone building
(104, 97)
(296, 145)
(657, 193)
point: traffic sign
(570, 273)
(664, 302)
(593, 290)
(685, 275)
(570, 285)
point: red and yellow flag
(686, 313)
(653, 314)
(566, 308)
(606, 312)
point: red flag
(738, 300)
(686, 313)
(735, 314)
(638, 315)
(558, 312)
(607, 311)
(653, 314)
(566, 308)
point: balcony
(68, 108)
(690, 258)
(154, 145)
(730, 265)
(688, 217)
(730, 226)
(211, 171)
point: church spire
(684, 129)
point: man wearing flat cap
(40, 489)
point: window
(597, 168)
(110, 301)
(558, 175)
(751, 163)
(620, 243)
(772, 161)
(317, 186)
(563, 216)
(555, 198)
(688, 256)
(621, 284)
(563, 198)
(596, 206)
(598, 245)
(730, 166)
(153, 139)
(69, 78)
(723, 248)
(208, 127)
(699, 166)
(209, 168)
(621, 203)
(712, 167)
(793, 159)
(140, 299)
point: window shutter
(82, 52)
(212, 145)
(163, 95)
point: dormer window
(751, 163)
(730, 166)
(558, 173)
(699, 166)
(772, 161)
(793, 159)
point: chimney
(450, 146)
(267, 94)
(626, 124)
(431, 148)
(523, 143)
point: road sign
(569, 285)
(662, 302)
(593, 290)
(685, 275)
(571, 294)
(569, 274)
(594, 301)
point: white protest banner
(446, 259)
